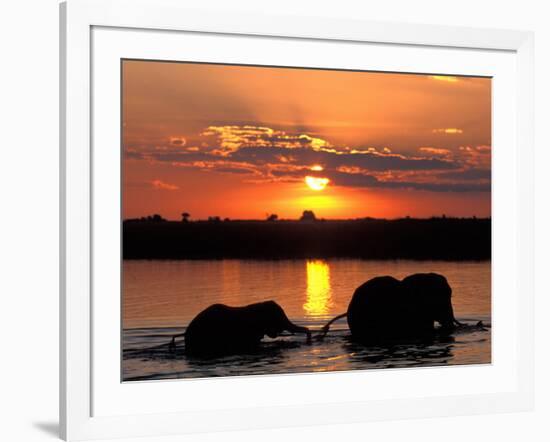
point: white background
(29, 220)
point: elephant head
(432, 294)
(273, 320)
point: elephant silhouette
(385, 309)
(222, 329)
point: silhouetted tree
(214, 219)
(273, 217)
(185, 217)
(308, 215)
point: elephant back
(209, 328)
(375, 309)
(427, 285)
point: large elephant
(221, 329)
(386, 309)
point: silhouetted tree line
(156, 218)
(442, 238)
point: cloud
(263, 154)
(486, 149)
(232, 138)
(237, 170)
(448, 131)
(161, 185)
(366, 159)
(371, 181)
(178, 141)
(258, 146)
(475, 156)
(447, 78)
(468, 174)
(356, 179)
(435, 151)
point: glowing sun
(315, 183)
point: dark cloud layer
(267, 154)
(373, 161)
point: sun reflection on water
(318, 290)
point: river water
(160, 298)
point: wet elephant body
(386, 309)
(222, 329)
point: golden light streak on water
(318, 289)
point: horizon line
(227, 219)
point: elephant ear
(427, 285)
(270, 318)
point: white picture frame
(80, 378)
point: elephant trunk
(293, 328)
(450, 322)
(455, 322)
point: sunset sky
(243, 142)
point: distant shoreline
(448, 239)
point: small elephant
(386, 309)
(221, 329)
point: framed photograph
(312, 221)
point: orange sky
(238, 142)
